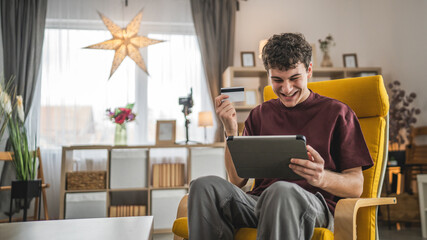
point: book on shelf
(127, 210)
(168, 174)
(156, 172)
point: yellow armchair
(368, 99)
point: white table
(128, 228)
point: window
(76, 91)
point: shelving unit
(129, 178)
(256, 78)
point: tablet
(266, 156)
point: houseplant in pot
(23, 159)
(402, 119)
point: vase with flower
(120, 116)
(325, 46)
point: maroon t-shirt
(329, 126)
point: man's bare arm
(227, 114)
(348, 183)
(231, 171)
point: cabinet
(128, 189)
(256, 78)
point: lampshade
(261, 46)
(205, 119)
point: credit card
(236, 94)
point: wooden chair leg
(41, 176)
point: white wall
(391, 34)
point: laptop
(266, 156)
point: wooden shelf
(162, 231)
(259, 73)
(149, 196)
(127, 189)
(85, 191)
(168, 188)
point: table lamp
(205, 120)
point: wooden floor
(406, 233)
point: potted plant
(325, 45)
(402, 119)
(120, 116)
(26, 187)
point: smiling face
(291, 85)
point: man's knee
(204, 182)
(287, 192)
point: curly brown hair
(285, 51)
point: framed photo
(165, 132)
(248, 59)
(350, 60)
(251, 96)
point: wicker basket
(87, 180)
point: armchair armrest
(346, 213)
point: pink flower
(121, 115)
(120, 118)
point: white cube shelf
(86, 205)
(164, 205)
(207, 161)
(128, 168)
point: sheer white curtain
(175, 66)
(75, 90)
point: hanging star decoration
(125, 42)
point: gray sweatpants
(216, 208)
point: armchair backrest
(368, 98)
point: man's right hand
(227, 114)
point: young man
(281, 209)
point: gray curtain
(22, 26)
(214, 21)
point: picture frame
(251, 97)
(350, 60)
(248, 59)
(165, 132)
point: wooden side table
(422, 194)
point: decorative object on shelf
(86, 180)
(251, 97)
(125, 42)
(120, 135)
(120, 116)
(325, 47)
(350, 60)
(261, 46)
(248, 59)
(165, 132)
(205, 120)
(402, 115)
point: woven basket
(87, 180)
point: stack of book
(127, 210)
(168, 175)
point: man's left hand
(312, 169)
